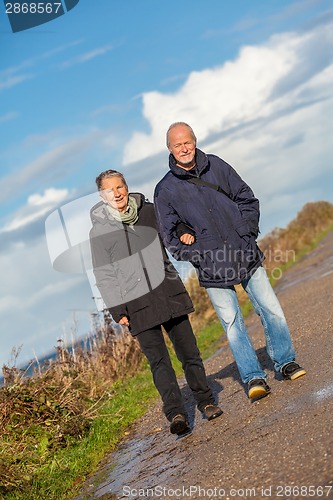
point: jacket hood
(98, 213)
(201, 160)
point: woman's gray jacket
(133, 272)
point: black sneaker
(179, 425)
(292, 371)
(257, 388)
(212, 411)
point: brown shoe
(212, 411)
(179, 425)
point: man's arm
(172, 228)
(185, 234)
(244, 197)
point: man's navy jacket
(225, 226)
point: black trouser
(153, 346)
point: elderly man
(209, 216)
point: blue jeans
(278, 342)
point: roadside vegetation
(57, 424)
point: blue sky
(98, 87)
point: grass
(69, 467)
(66, 468)
(51, 424)
(57, 426)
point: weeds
(55, 407)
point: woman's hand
(187, 239)
(124, 321)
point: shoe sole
(298, 374)
(185, 431)
(215, 415)
(179, 428)
(257, 392)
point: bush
(54, 408)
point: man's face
(115, 193)
(182, 146)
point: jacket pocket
(138, 303)
(207, 243)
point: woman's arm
(106, 275)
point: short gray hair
(107, 175)
(176, 124)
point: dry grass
(284, 245)
(55, 407)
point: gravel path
(279, 447)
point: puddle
(325, 393)
(306, 400)
(136, 461)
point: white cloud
(36, 300)
(287, 162)
(294, 9)
(63, 155)
(262, 82)
(51, 196)
(12, 115)
(11, 81)
(15, 75)
(51, 290)
(8, 304)
(57, 50)
(86, 56)
(37, 206)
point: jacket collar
(201, 160)
(98, 213)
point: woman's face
(115, 193)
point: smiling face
(182, 144)
(115, 193)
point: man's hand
(124, 321)
(187, 239)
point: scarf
(130, 216)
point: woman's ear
(102, 195)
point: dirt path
(279, 447)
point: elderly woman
(143, 291)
